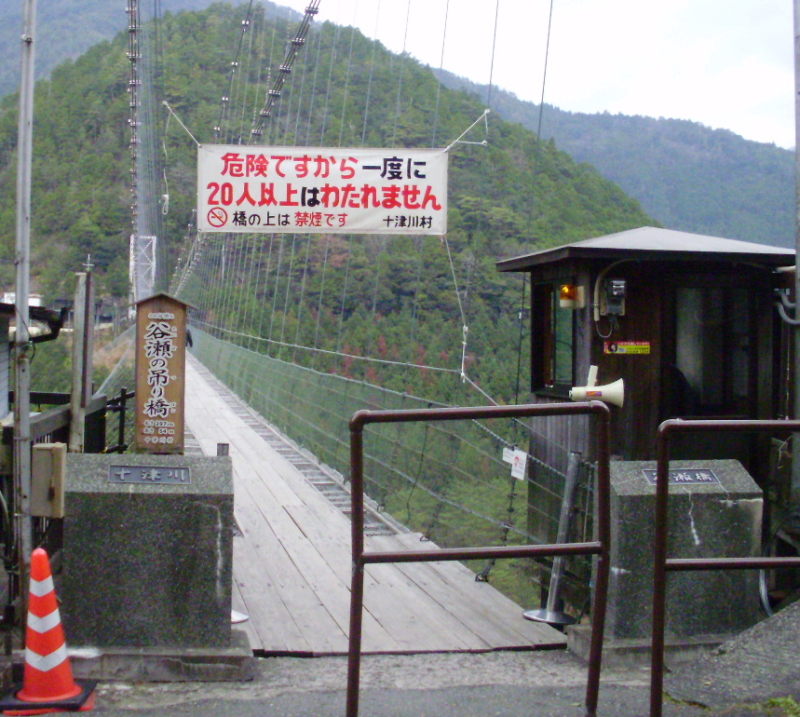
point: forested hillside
(510, 196)
(65, 30)
(686, 175)
(419, 308)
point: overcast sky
(724, 63)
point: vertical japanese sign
(160, 374)
(321, 190)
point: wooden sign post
(160, 374)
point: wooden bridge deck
(292, 560)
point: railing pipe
(360, 559)
(663, 565)
(604, 563)
(121, 407)
(357, 586)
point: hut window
(712, 350)
(553, 369)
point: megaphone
(608, 393)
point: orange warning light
(571, 296)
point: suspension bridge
(290, 338)
(292, 554)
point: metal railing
(52, 424)
(599, 547)
(663, 565)
(119, 405)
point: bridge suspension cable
(285, 69)
(282, 301)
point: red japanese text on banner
(321, 190)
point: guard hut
(686, 321)
(676, 324)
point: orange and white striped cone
(48, 685)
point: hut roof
(655, 243)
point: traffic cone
(48, 685)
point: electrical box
(47, 479)
(612, 298)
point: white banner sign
(321, 190)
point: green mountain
(499, 203)
(423, 305)
(688, 176)
(65, 29)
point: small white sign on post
(519, 464)
(321, 190)
(518, 460)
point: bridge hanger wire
(218, 247)
(246, 264)
(275, 287)
(225, 100)
(252, 280)
(494, 47)
(267, 274)
(162, 247)
(343, 303)
(441, 67)
(301, 302)
(304, 59)
(371, 73)
(341, 135)
(245, 244)
(300, 296)
(258, 121)
(347, 75)
(223, 260)
(334, 43)
(400, 75)
(414, 311)
(321, 294)
(288, 288)
(273, 106)
(243, 80)
(382, 241)
(263, 68)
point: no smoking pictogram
(217, 217)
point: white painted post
(77, 404)
(22, 411)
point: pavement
(756, 673)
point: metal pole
(659, 618)
(795, 492)
(603, 569)
(122, 407)
(77, 412)
(567, 505)
(551, 614)
(22, 413)
(357, 584)
(88, 337)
